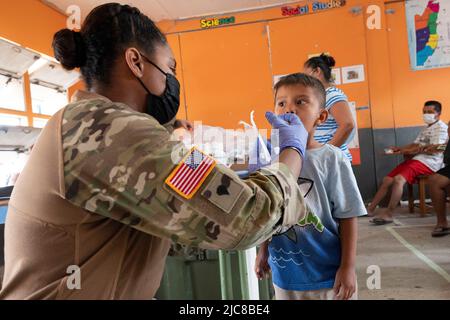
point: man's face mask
(165, 107)
(429, 118)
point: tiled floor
(412, 264)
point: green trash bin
(193, 276)
(208, 275)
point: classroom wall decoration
(215, 22)
(353, 74)
(312, 7)
(336, 76)
(428, 23)
(353, 140)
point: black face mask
(165, 107)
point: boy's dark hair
(304, 80)
(324, 62)
(436, 104)
(107, 31)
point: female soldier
(102, 194)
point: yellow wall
(31, 24)
(228, 72)
(378, 66)
(291, 47)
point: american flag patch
(189, 175)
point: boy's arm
(345, 282)
(262, 267)
(347, 206)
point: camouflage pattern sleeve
(170, 126)
(116, 162)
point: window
(47, 100)
(39, 122)
(11, 93)
(15, 145)
(32, 85)
(49, 83)
(15, 59)
(52, 74)
(13, 120)
(11, 164)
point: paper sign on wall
(353, 140)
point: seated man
(439, 183)
(419, 162)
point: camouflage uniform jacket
(91, 216)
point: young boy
(316, 258)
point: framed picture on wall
(353, 74)
(336, 76)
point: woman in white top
(339, 126)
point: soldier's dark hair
(304, 80)
(107, 31)
(436, 104)
(324, 62)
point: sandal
(380, 221)
(440, 232)
(370, 214)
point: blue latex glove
(291, 131)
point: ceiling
(159, 10)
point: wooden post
(423, 209)
(410, 198)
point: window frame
(28, 104)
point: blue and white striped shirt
(325, 132)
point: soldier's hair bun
(69, 49)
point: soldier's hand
(291, 131)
